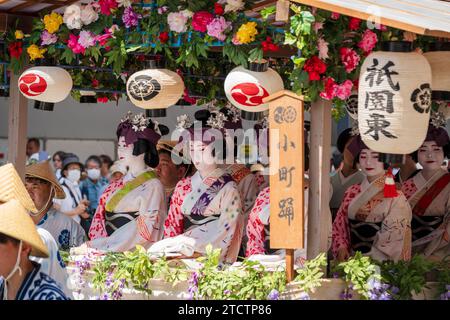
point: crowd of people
(387, 210)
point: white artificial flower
(88, 15)
(187, 13)
(72, 16)
(177, 21)
(234, 113)
(217, 120)
(183, 122)
(124, 3)
(234, 5)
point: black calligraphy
(378, 75)
(286, 209)
(287, 143)
(380, 101)
(286, 174)
(378, 125)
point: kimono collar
(197, 179)
(365, 184)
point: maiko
(195, 310)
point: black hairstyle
(106, 159)
(445, 149)
(95, 159)
(151, 156)
(5, 238)
(35, 141)
(380, 155)
(60, 154)
(343, 138)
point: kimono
(66, 231)
(205, 211)
(368, 222)
(430, 203)
(37, 286)
(340, 184)
(72, 199)
(131, 212)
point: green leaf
(267, 12)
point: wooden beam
(24, 5)
(282, 13)
(63, 4)
(18, 123)
(261, 5)
(319, 215)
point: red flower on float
(268, 45)
(315, 67)
(163, 37)
(218, 9)
(106, 6)
(200, 20)
(330, 89)
(15, 49)
(102, 99)
(349, 58)
(73, 44)
(95, 83)
(354, 24)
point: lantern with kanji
(47, 85)
(155, 89)
(394, 99)
(439, 58)
(246, 88)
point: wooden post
(18, 123)
(319, 216)
(286, 174)
(282, 10)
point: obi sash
(196, 202)
(115, 220)
(422, 226)
(424, 202)
(362, 234)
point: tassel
(390, 189)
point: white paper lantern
(394, 99)
(154, 88)
(439, 59)
(46, 84)
(246, 88)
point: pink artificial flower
(130, 18)
(344, 90)
(349, 58)
(317, 26)
(106, 6)
(47, 38)
(163, 9)
(177, 21)
(103, 38)
(217, 27)
(200, 20)
(235, 40)
(330, 89)
(380, 27)
(368, 41)
(335, 15)
(354, 24)
(86, 39)
(73, 44)
(322, 45)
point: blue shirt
(93, 191)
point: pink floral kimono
(258, 225)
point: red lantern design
(32, 84)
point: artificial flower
(234, 5)
(35, 52)
(72, 17)
(322, 46)
(106, 6)
(317, 26)
(15, 49)
(344, 90)
(103, 38)
(247, 32)
(130, 18)
(102, 99)
(200, 20)
(187, 13)
(349, 58)
(268, 45)
(218, 9)
(163, 9)
(52, 22)
(124, 3)
(368, 41)
(73, 45)
(18, 34)
(315, 67)
(95, 83)
(86, 39)
(335, 15)
(163, 37)
(88, 15)
(217, 27)
(354, 24)
(330, 88)
(47, 38)
(177, 21)
(113, 29)
(235, 40)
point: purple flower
(304, 296)
(130, 18)
(335, 275)
(227, 292)
(48, 38)
(447, 287)
(86, 39)
(395, 290)
(217, 27)
(163, 9)
(273, 295)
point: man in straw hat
(42, 186)
(23, 278)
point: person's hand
(85, 202)
(81, 208)
(342, 254)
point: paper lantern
(154, 89)
(394, 100)
(439, 59)
(351, 105)
(45, 84)
(246, 88)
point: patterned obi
(198, 220)
(362, 234)
(115, 220)
(422, 226)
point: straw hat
(118, 167)
(42, 170)
(16, 223)
(11, 187)
(169, 145)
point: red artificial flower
(315, 67)
(200, 20)
(330, 89)
(349, 58)
(335, 15)
(103, 39)
(102, 99)
(164, 37)
(354, 24)
(95, 83)
(106, 6)
(218, 9)
(140, 57)
(73, 44)
(15, 49)
(268, 45)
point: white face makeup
(201, 154)
(125, 152)
(369, 163)
(430, 155)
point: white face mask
(74, 175)
(13, 271)
(93, 174)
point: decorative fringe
(390, 189)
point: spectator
(57, 163)
(117, 171)
(91, 188)
(106, 165)
(33, 151)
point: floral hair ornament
(137, 127)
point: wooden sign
(282, 11)
(286, 179)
